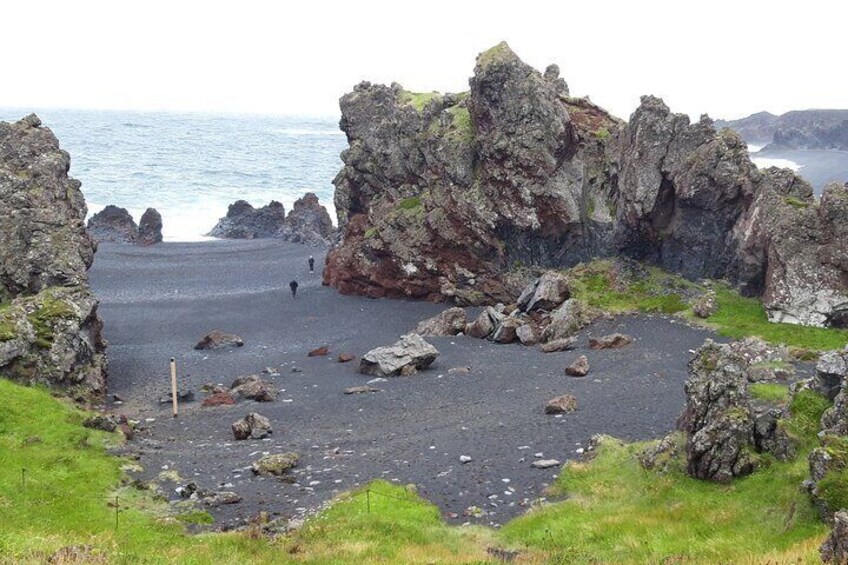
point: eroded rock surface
(150, 227)
(308, 222)
(243, 221)
(113, 224)
(408, 355)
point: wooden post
(174, 385)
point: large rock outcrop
(50, 332)
(116, 225)
(442, 196)
(243, 221)
(308, 222)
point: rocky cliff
(442, 197)
(50, 332)
(801, 129)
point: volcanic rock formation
(50, 332)
(116, 225)
(442, 196)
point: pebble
(464, 459)
(544, 463)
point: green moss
(496, 53)
(770, 392)
(50, 310)
(602, 134)
(198, 517)
(417, 100)
(462, 126)
(411, 203)
(371, 232)
(796, 202)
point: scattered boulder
(114, 225)
(611, 341)
(546, 293)
(507, 331)
(308, 223)
(243, 221)
(561, 405)
(527, 334)
(706, 305)
(835, 547)
(150, 227)
(410, 351)
(346, 357)
(275, 465)
(319, 351)
(831, 372)
(565, 320)
(252, 426)
(253, 387)
(217, 339)
(450, 322)
(580, 368)
(544, 463)
(220, 398)
(484, 325)
(364, 389)
(564, 344)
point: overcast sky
(725, 58)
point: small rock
(252, 426)
(561, 405)
(276, 464)
(564, 344)
(450, 322)
(579, 368)
(464, 459)
(217, 339)
(319, 351)
(611, 341)
(219, 399)
(364, 389)
(544, 463)
(346, 357)
(253, 387)
(459, 370)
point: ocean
(191, 166)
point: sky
(727, 59)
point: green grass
(738, 317)
(770, 392)
(410, 203)
(591, 283)
(417, 100)
(617, 512)
(796, 202)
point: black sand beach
(158, 301)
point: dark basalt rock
(50, 332)
(308, 223)
(150, 227)
(113, 224)
(243, 221)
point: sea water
(191, 166)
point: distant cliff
(441, 197)
(802, 129)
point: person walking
(311, 264)
(293, 287)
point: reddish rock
(319, 351)
(219, 399)
(580, 368)
(346, 357)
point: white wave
(754, 148)
(765, 162)
(289, 131)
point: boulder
(831, 371)
(611, 341)
(253, 387)
(275, 465)
(485, 324)
(826, 484)
(580, 367)
(546, 293)
(835, 547)
(150, 227)
(527, 334)
(450, 322)
(717, 420)
(660, 456)
(243, 221)
(308, 223)
(217, 339)
(564, 344)
(252, 426)
(114, 225)
(410, 351)
(506, 332)
(561, 405)
(835, 419)
(565, 321)
(706, 305)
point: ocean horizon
(192, 166)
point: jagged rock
(506, 332)
(217, 339)
(252, 426)
(308, 222)
(660, 456)
(564, 344)
(835, 419)
(611, 341)
(275, 465)
(50, 332)
(706, 305)
(150, 227)
(485, 324)
(827, 474)
(411, 351)
(220, 398)
(113, 224)
(243, 221)
(566, 320)
(450, 322)
(831, 371)
(580, 367)
(527, 334)
(769, 435)
(545, 293)
(253, 387)
(561, 405)
(835, 547)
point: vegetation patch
(50, 310)
(796, 202)
(411, 203)
(417, 100)
(770, 392)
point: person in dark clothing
(311, 264)
(293, 287)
